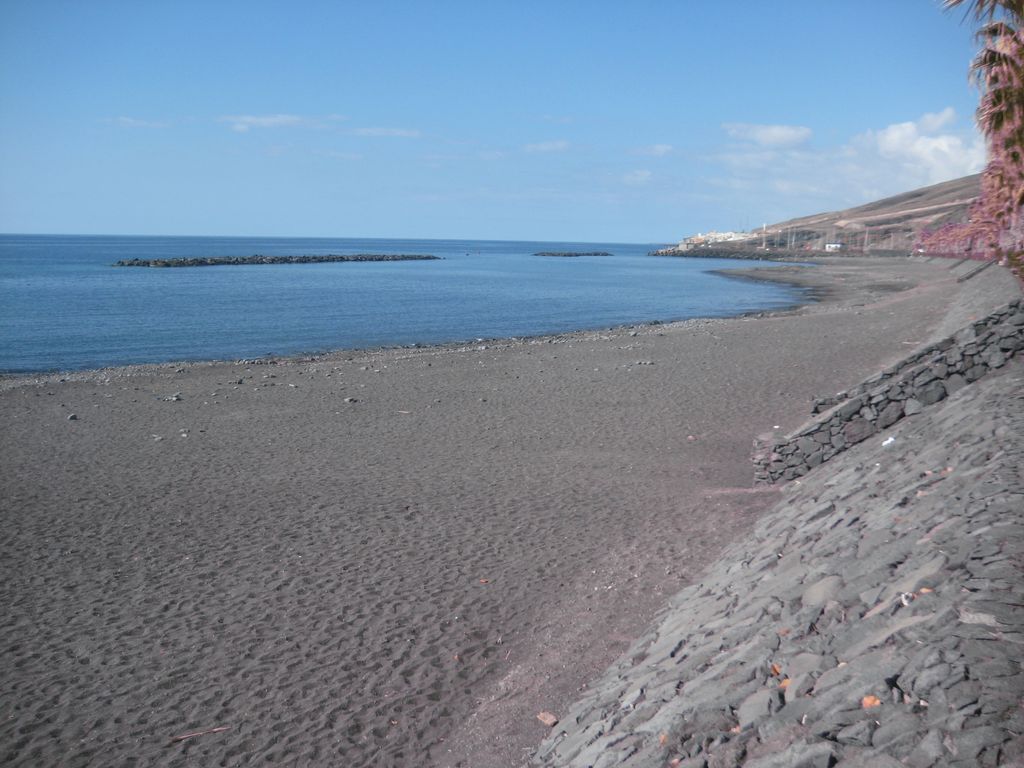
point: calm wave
(64, 307)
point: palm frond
(986, 10)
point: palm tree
(998, 70)
(987, 10)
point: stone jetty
(741, 254)
(874, 616)
(219, 261)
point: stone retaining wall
(904, 389)
(975, 271)
(873, 618)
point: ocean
(64, 306)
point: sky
(642, 121)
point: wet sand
(395, 557)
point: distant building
(712, 237)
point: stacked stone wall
(905, 389)
(873, 618)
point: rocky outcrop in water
(742, 253)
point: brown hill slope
(891, 223)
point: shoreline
(9, 379)
(398, 555)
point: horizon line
(332, 237)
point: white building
(712, 237)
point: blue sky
(554, 120)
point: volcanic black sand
(395, 557)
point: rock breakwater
(219, 261)
(872, 619)
(747, 253)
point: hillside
(891, 223)
(888, 225)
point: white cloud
(636, 178)
(776, 182)
(242, 123)
(917, 151)
(933, 121)
(654, 150)
(768, 135)
(547, 146)
(405, 133)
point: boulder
(858, 430)
(892, 413)
(932, 393)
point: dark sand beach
(397, 557)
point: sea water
(64, 306)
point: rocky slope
(873, 619)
